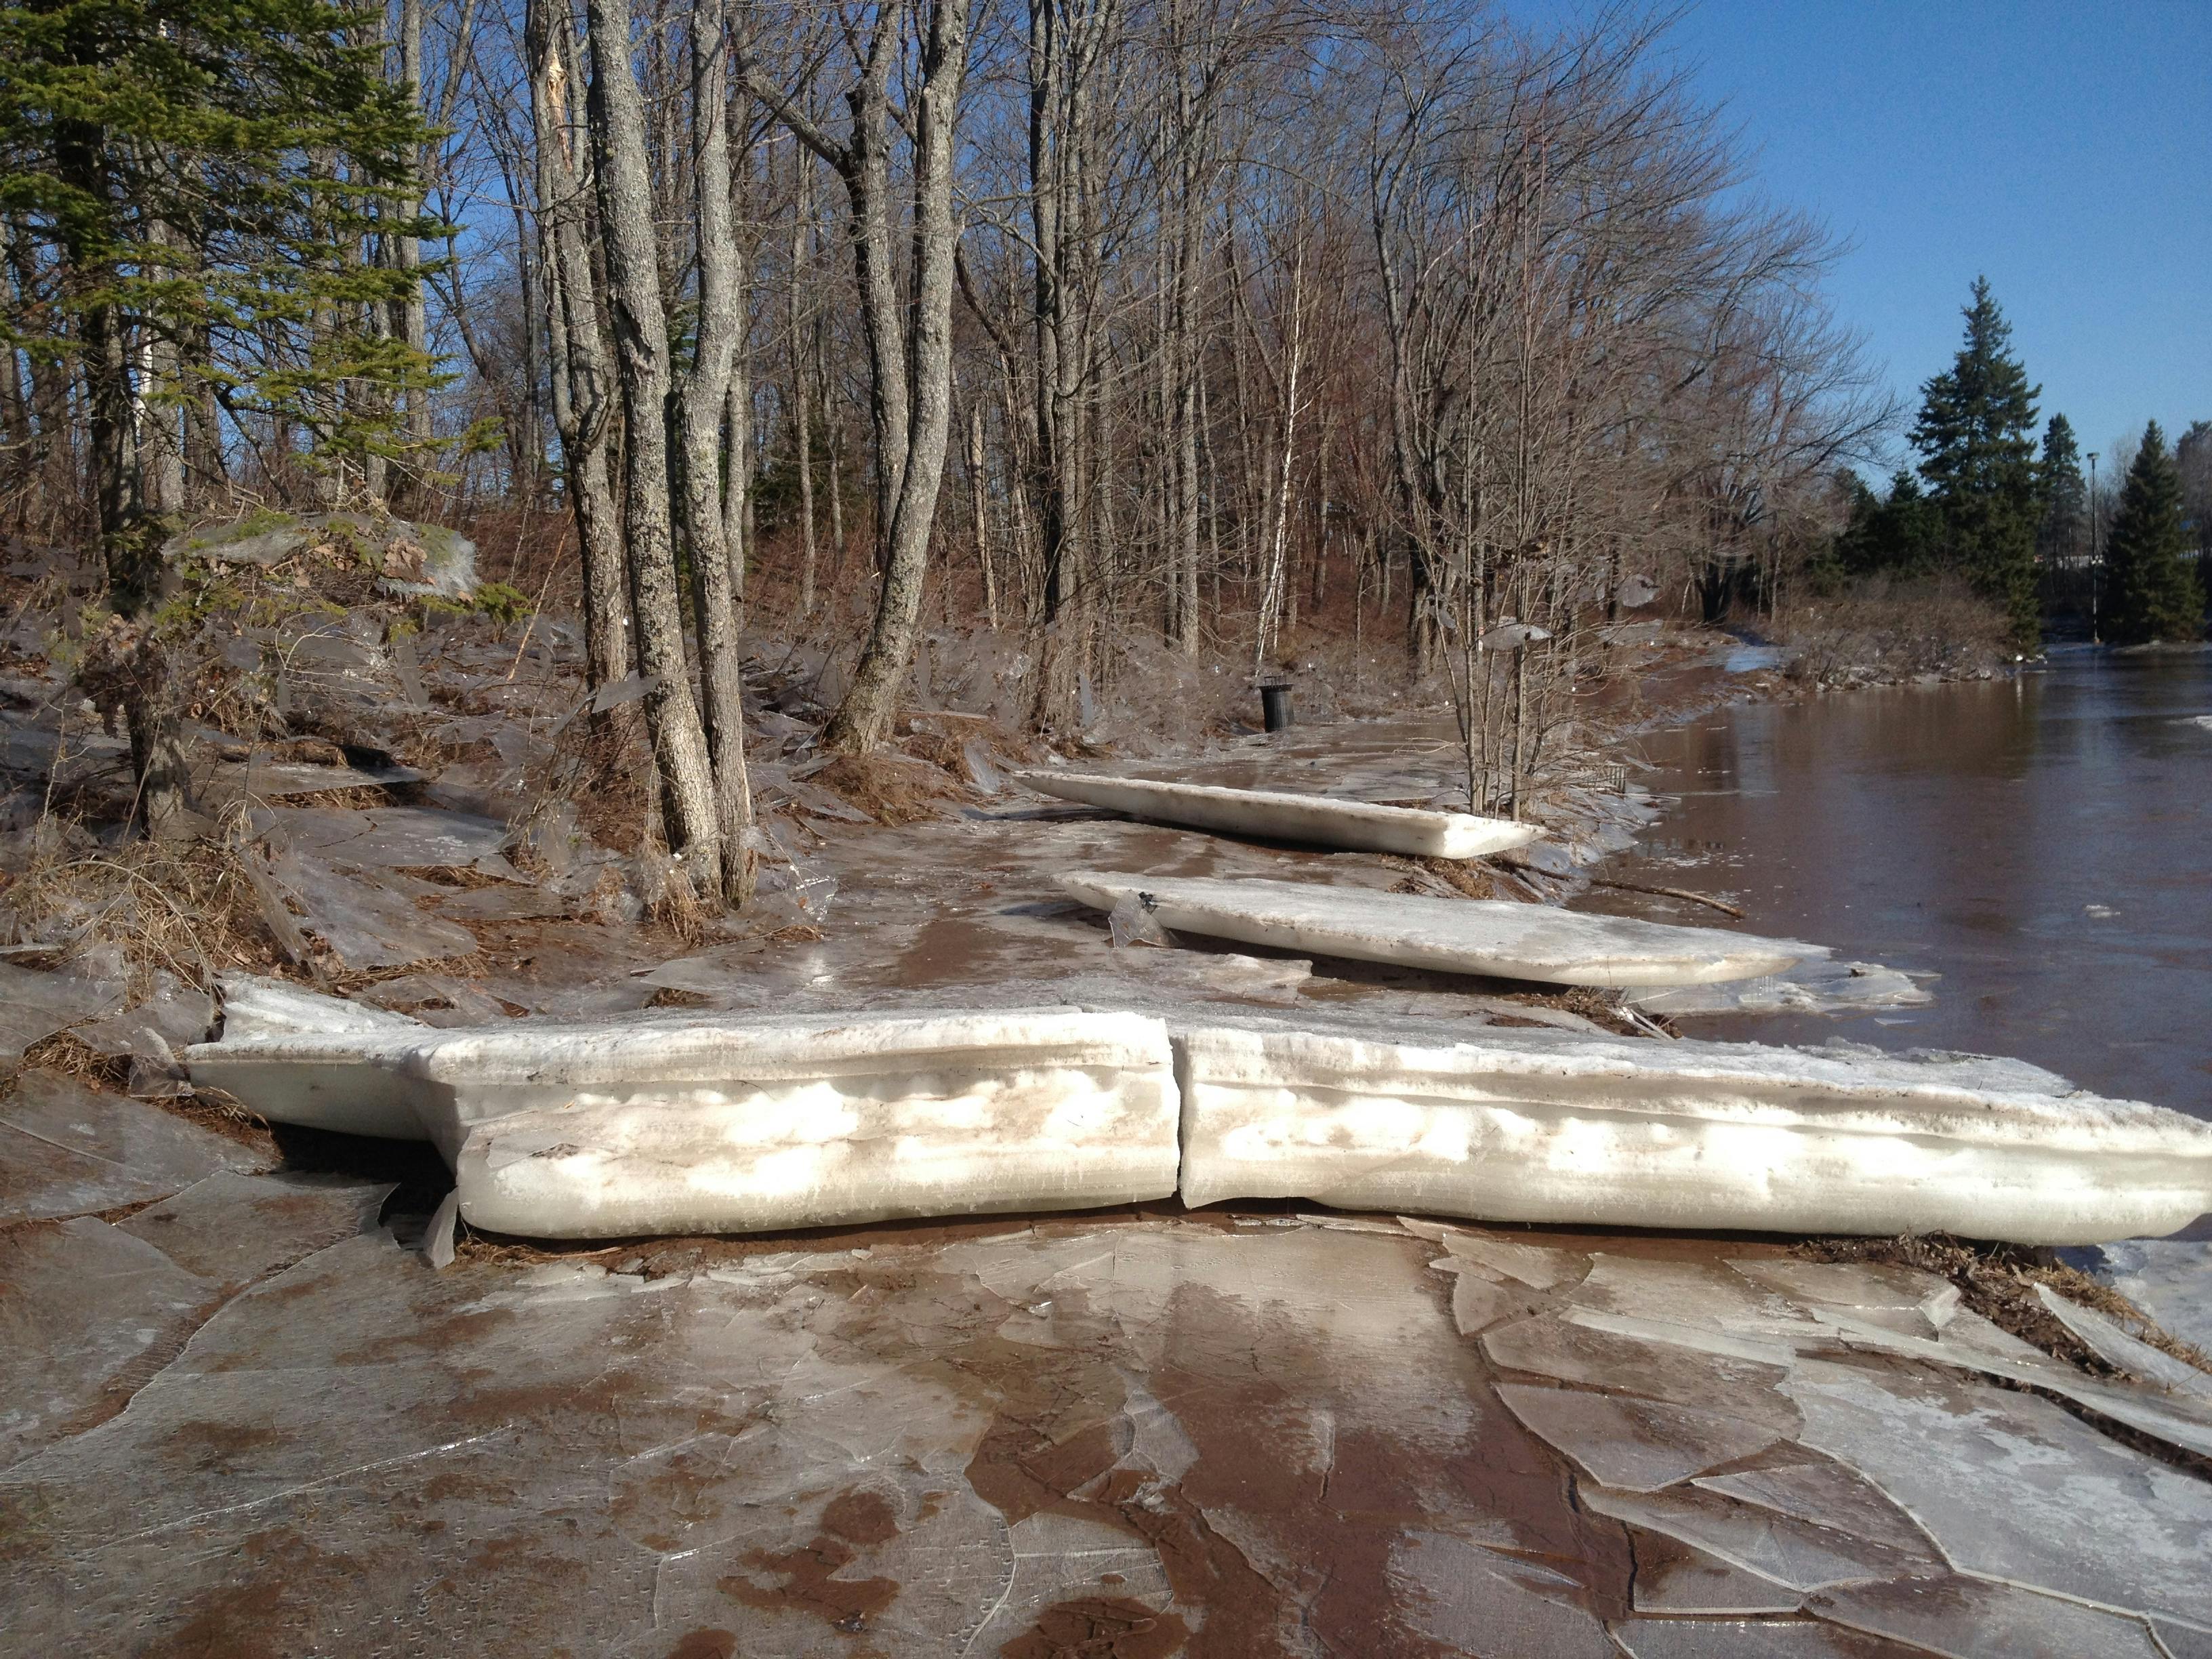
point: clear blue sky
(2063, 148)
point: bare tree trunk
(866, 714)
(802, 173)
(978, 510)
(640, 328)
(582, 380)
(704, 396)
(414, 312)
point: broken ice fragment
(66, 1150)
(1788, 1551)
(1743, 1638)
(89, 1311)
(232, 1229)
(1973, 1618)
(1826, 1495)
(1476, 1304)
(1277, 815)
(2122, 1352)
(1635, 1445)
(1131, 921)
(1672, 1578)
(1537, 1266)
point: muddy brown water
(2043, 843)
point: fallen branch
(1722, 905)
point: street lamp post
(2094, 568)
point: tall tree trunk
(582, 380)
(866, 714)
(979, 510)
(703, 399)
(802, 175)
(413, 317)
(625, 192)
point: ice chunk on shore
(1494, 936)
(1511, 1125)
(1810, 988)
(861, 1121)
(1278, 814)
(682, 1123)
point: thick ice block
(1277, 815)
(1515, 1127)
(1464, 936)
(724, 1130)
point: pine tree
(2151, 593)
(2065, 497)
(1897, 535)
(1976, 438)
(199, 186)
(208, 178)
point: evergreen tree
(1976, 435)
(211, 179)
(2065, 496)
(1899, 534)
(2150, 592)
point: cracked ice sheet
(68, 1149)
(1968, 1618)
(2014, 1488)
(233, 1229)
(87, 1311)
(1744, 1638)
(810, 1448)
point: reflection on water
(2044, 844)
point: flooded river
(2044, 844)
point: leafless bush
(1885, 631)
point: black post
(1276, 705)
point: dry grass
(1998, 1281)
(891, 789)
(70, 1055)
(192, 907)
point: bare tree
(909, 356)
(691, 803)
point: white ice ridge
(741, 1125)
(1497, 938)
(1512, 1125)
(1276, 815)
(684, 1124)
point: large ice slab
(1494, 937)
(729, 1129)
(294, 1056)
(1278, 814)
(731, 1125)
(1510, 1126)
